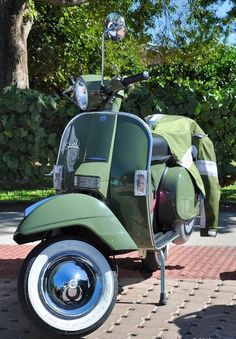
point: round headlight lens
(81, 93)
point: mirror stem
(103, 59)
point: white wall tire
(68, 287)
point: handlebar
(107, 92)
(126, 81)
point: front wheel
(67, 287)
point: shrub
(31, 124)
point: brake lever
(68, 90)
(117, 75)
(71, 88)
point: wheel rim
(70, 286)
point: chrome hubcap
(71, 292)
(70, 286)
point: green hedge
(31, 123)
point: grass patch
(26, 195)
(40, 189)
(26, 190)
(228, 193)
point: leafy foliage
(30, 127)
(200, 90)
(229, 193)
(67, 41)
(194, 22)
(195, 76)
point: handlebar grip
(135, 78)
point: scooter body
(113, 196)
(102, 157)
(117, 190)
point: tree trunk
(15, 26)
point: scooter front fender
(73, 209)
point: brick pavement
(201, 292)
(184, 262)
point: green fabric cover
(181, 133)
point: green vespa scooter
(116, 187)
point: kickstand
(163, 279)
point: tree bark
(15, 26)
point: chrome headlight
(89, 182)
(81, 93)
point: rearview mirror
(115, 26)
(115, 29)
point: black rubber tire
(34, 298)
(184, 229)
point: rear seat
(160, 149)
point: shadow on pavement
(216, 321)
(228, 275)
(10, 268)
(135, 268)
